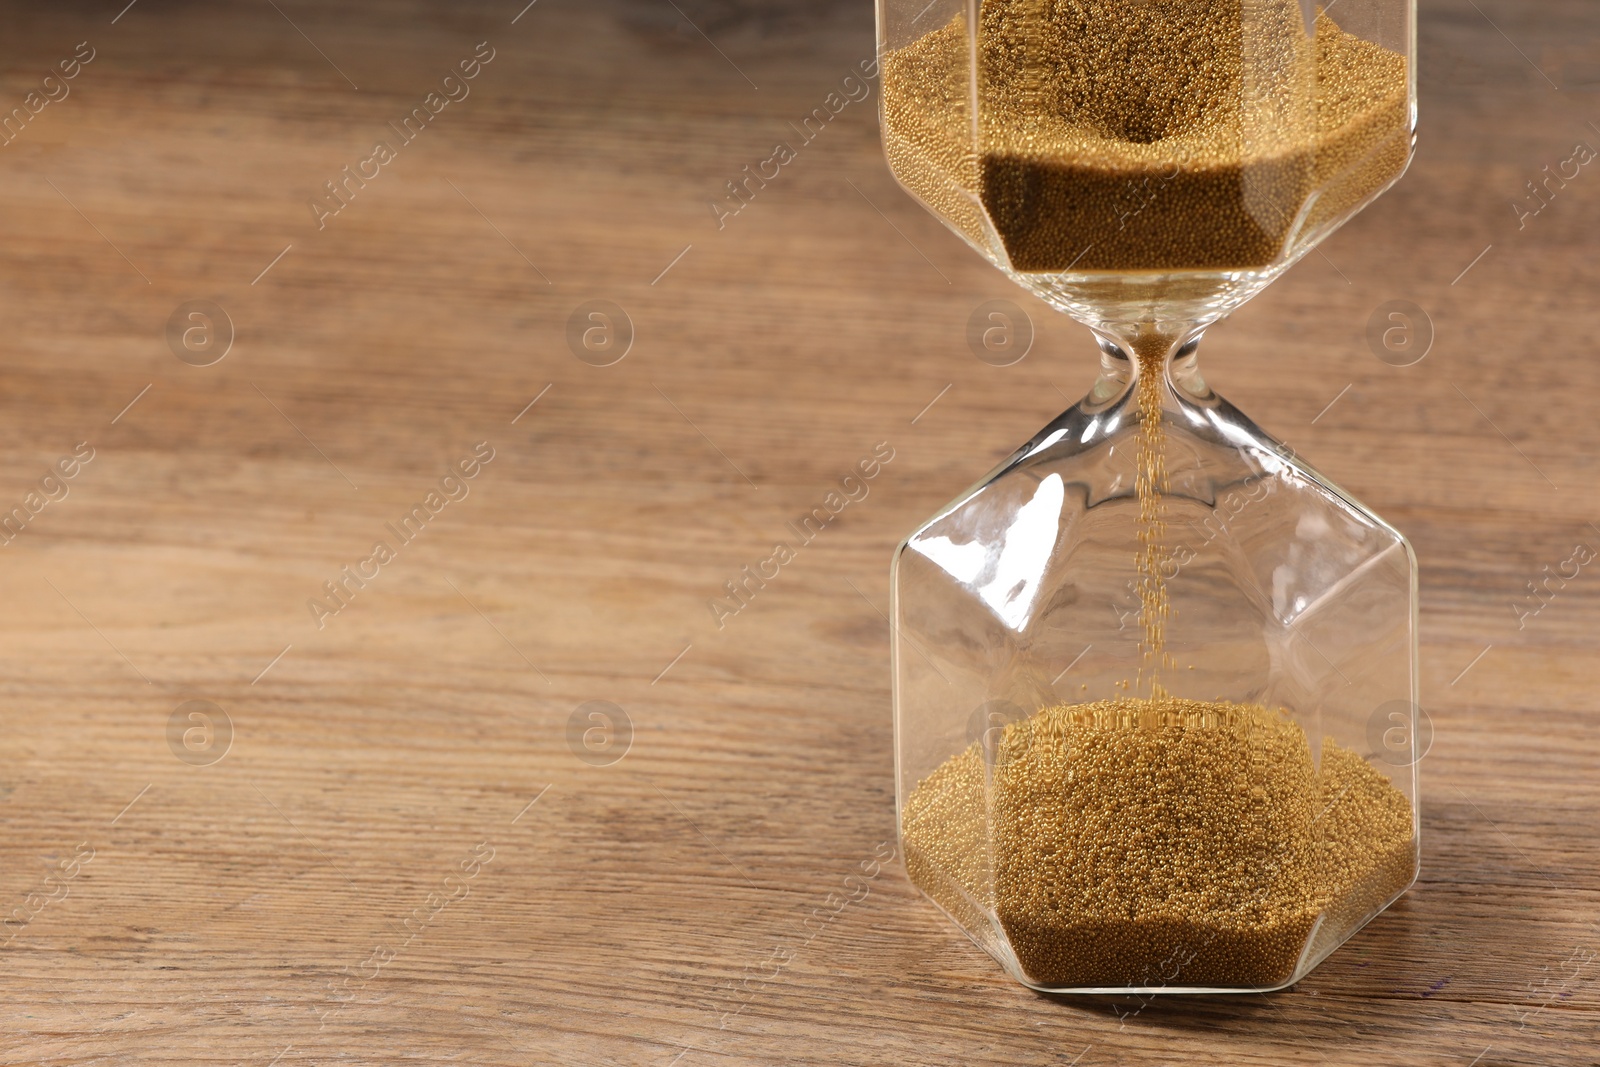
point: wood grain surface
(407, 851)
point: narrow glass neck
(1136, 350)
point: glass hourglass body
(1155, 677)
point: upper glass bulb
(1146, 160)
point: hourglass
(1155, 678)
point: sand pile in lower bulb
(1169, 842)
(1153, 135)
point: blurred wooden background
(361, 879)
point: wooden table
(409, 852)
